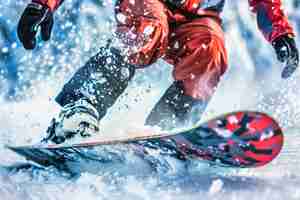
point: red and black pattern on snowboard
(241, 139)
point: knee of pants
(142, 27)
(201, 68)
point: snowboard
(239, 139)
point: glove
(287, 52)
(35, 16)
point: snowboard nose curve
(266, 141)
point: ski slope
(252, 82)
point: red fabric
(275, 15)
(52, 4)
(198, 53)
(194, 47)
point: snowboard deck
(238, 139)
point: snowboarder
(187, 34)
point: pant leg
(199, 57)
(101, 81)
(198, 53)
(176, 109)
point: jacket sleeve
(271, 19)
(52, 4)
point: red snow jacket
(271, 20)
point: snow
(30, 81)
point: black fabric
(176, 109)
(178, 4)
(101, 80)
(285, 48)
(33, 17)
(46, 27)
(287, 52)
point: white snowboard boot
(78, 118)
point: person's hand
(35, 16)
(287, 52)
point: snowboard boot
(78, 118)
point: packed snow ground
(253, 82)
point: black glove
(287, 52)
(34, 16)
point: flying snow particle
(121, 18)
(14, 45)
(148, 30)
(4, 50)
(125, 73)
(216, 187)
(108, 60)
